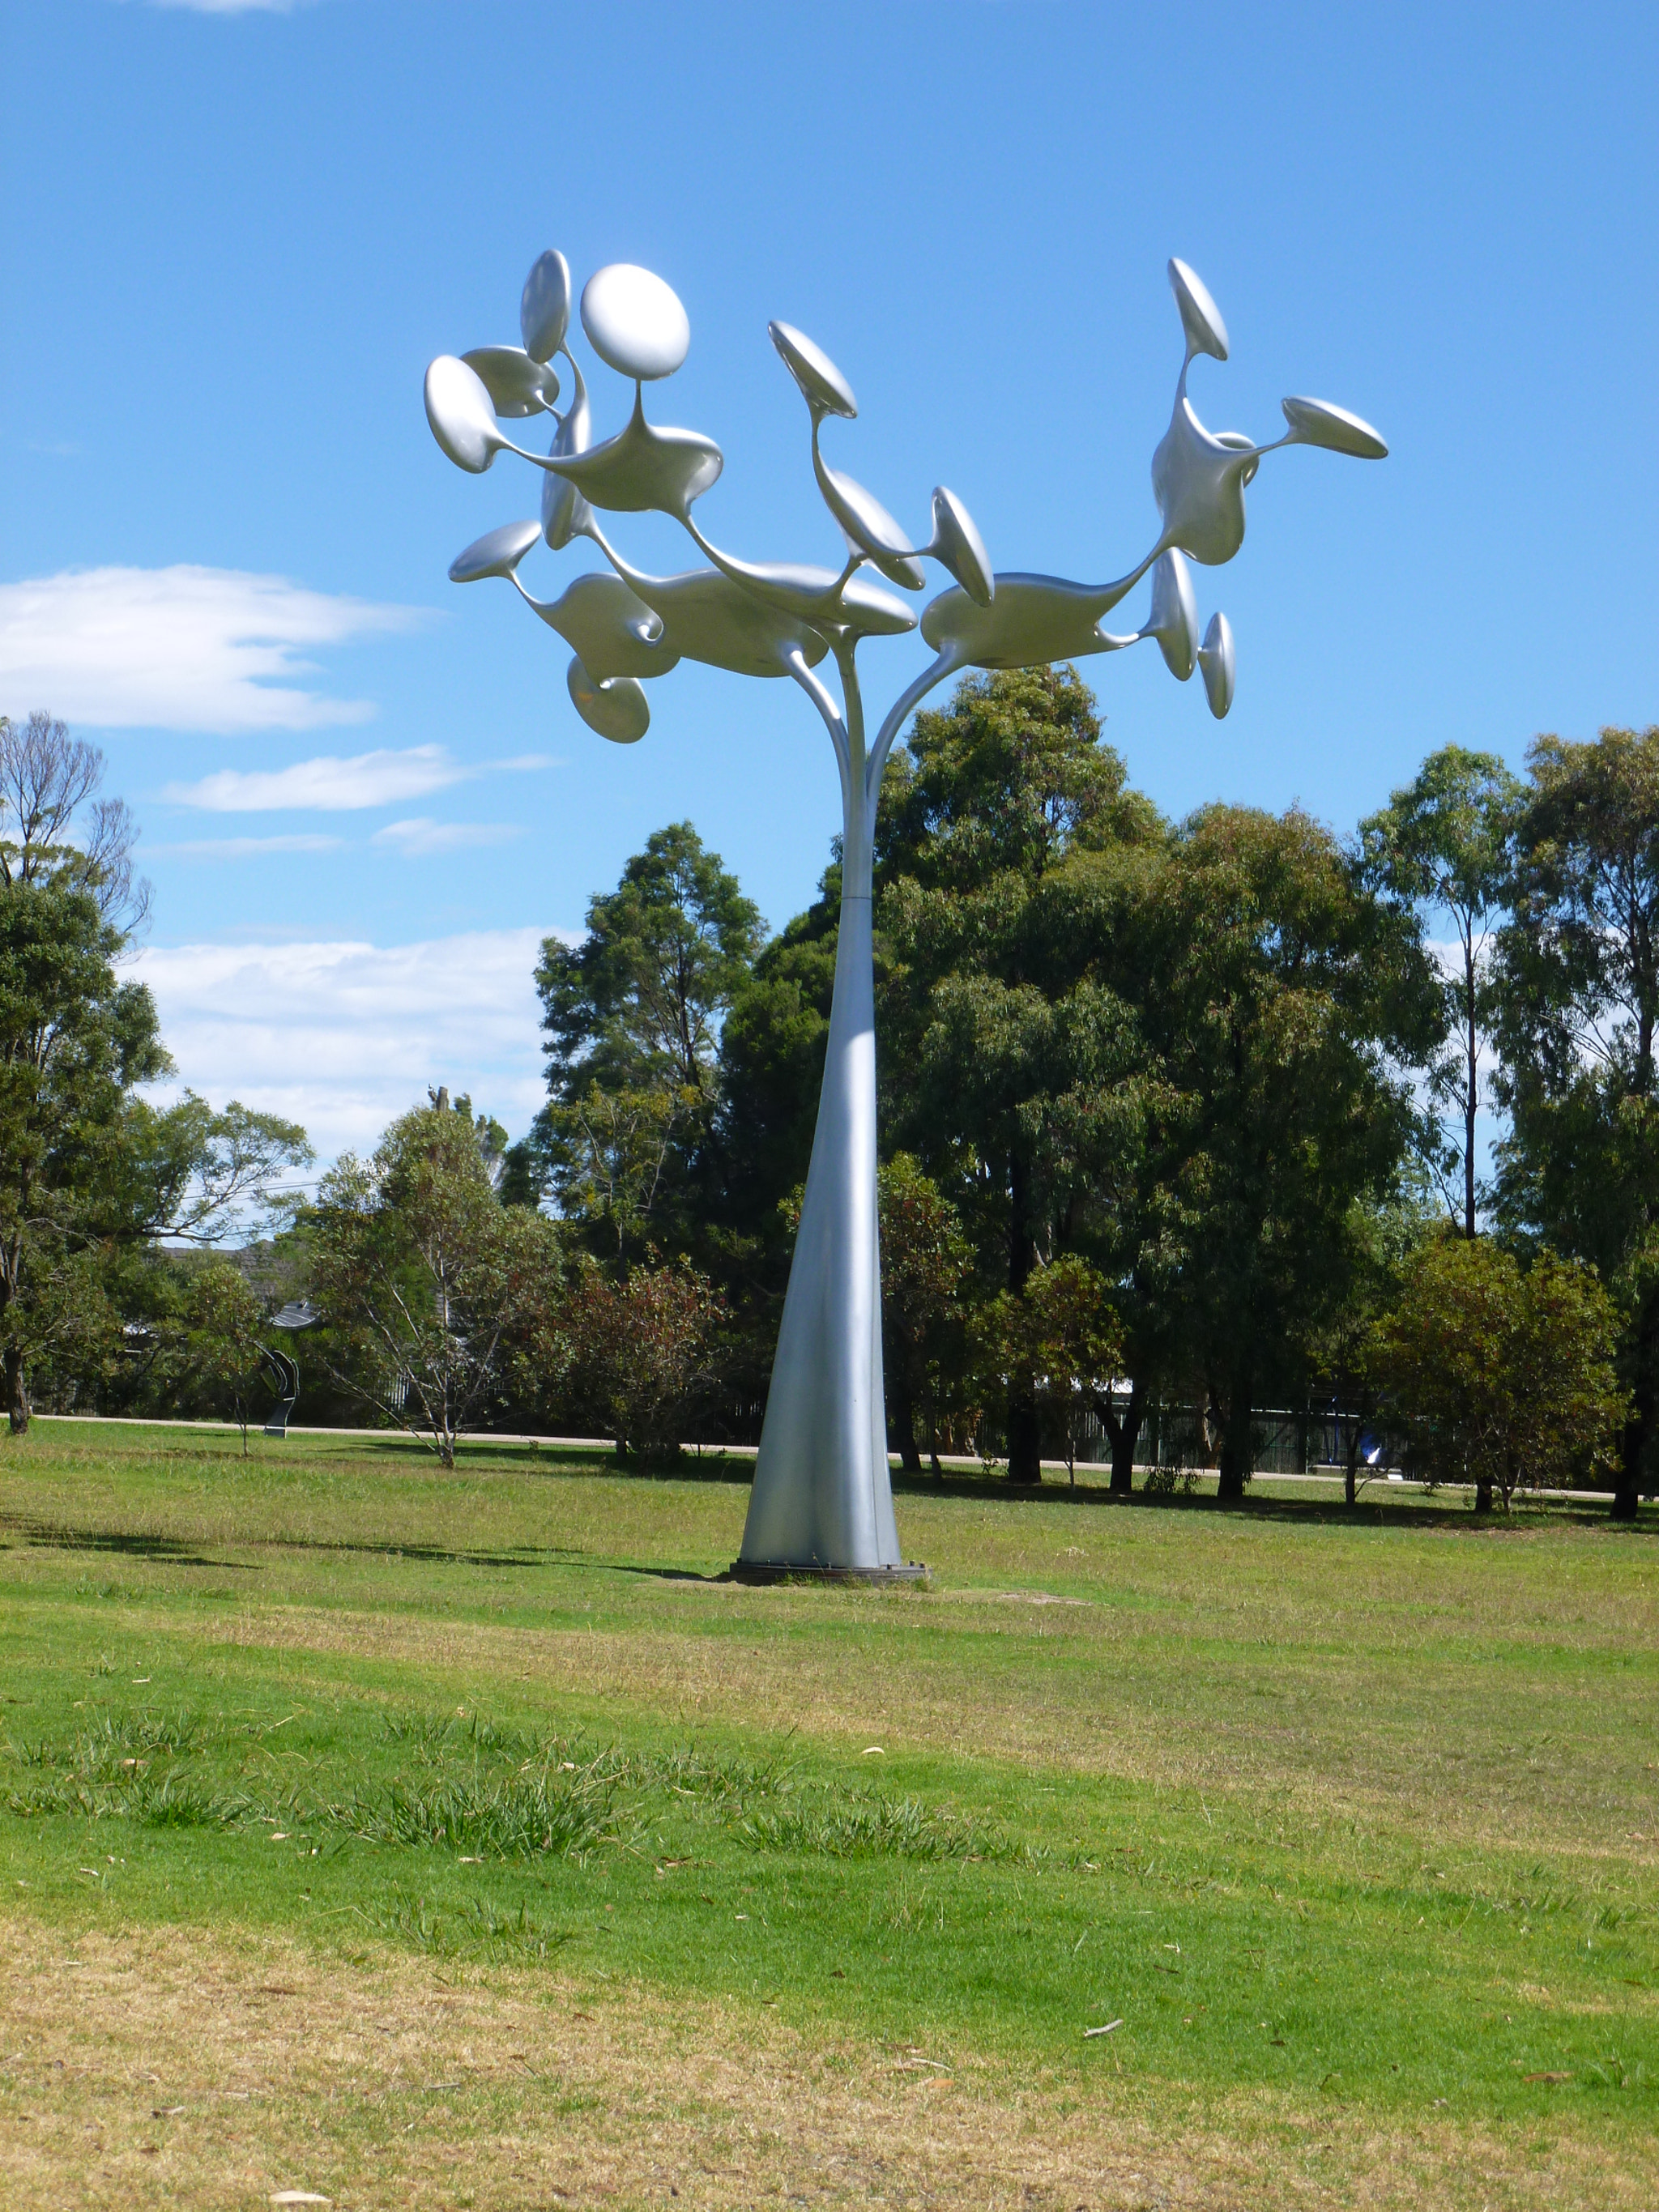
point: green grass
(1351, 1807)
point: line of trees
(1193, 1107)
(1172, 1113)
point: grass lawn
(459, 1839)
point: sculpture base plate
(748, 1570)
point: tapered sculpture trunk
(822, 1496)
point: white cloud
(422, 835)
(180, 648)
(237, 848)
(333, 785)
(343, 1036)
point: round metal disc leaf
(635, 322)
(1316, 422)
(517, 384)
(958, 544)
(1215, 661)
(545, 310)
(457, 408)
(498, 553)
(618, 709)
(1200, 318)
(823, 387)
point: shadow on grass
(172, 1551)
(1371, 1510)
(119, 1543)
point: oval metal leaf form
(517, 384)
(545, 310)
(1174, 619)
(1215, 659)
(498, 553)
(618, 710)
(1316, 422)
(958, 544)
(457, 408)
(823, 387)
(867, 525)
(635, 322)
(1200, 318)
(866, 608)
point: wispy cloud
(233, 7)
(422, 835)
(328, 783)
(179, 649)
(237, 848)
(343, 1036)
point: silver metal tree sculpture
(821, 1502)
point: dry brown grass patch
(181, 2068)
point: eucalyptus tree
(632, 1017)
(89, 1171)
(1009, 1048)
(429, 1285)
(1579, 976)
(1281, 997)
(1442, 844)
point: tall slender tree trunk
(1024, 1438)
(1639, 1430)
(902, 1412)
(1472, 1096)
(1238, 1437)
(18, 1408)
(1124, 1430)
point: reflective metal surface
(544, 308)
(822, 1497)
(633, 322)
(516, 384)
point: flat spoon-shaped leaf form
(611, 630)
(1316, 422)
(498, 553)
(1173, 618)
(1215, 661)
(517, 384)
(545, 309)
(463, 421)
(823, 387)
(635, 322)
(1031, 621)
(865, 524)
(618, 709)
(1200, 318)
(644, 468)
(957, 545)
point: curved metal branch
(834, 721)
(945, 665)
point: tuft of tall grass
(172, 1800)
(860, 1824)
(474, 1927)
(537, 1815)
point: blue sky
(234, 236)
